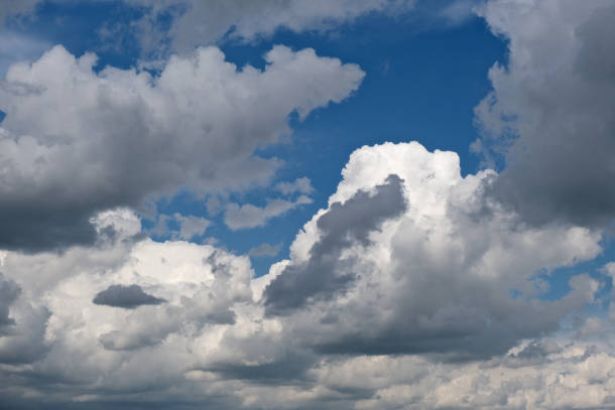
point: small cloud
(180, 227)
(459, 11)
(265, 250)
(301, 185)
(125, 297)
(251, 216)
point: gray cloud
(342, 225)
(450, 276)
(197, 22)
(9, 292)
(126, 297)
(551, 110)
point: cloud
(427, 263)
(196, 22)
(10, 8)
(121, 137)
(251, 216)
(9, 292)
(16, 47)
(563, 375)
(370, 276)
(550, 112)
(126, 297)
(265, 249)
(301, 185)
(178, 226)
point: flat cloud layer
(429, 262)
(118, 137)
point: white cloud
(427, 281)
(436, 279)
(119, 137)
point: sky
(293, 204)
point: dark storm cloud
(126, 297)
(343, 224)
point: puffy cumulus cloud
(197, 22)
(449, 274)
(96, 351)
(118, 137)
(413, 265)
(550, 111)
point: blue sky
(259, 205)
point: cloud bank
(409, 259)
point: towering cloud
(450, 274)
